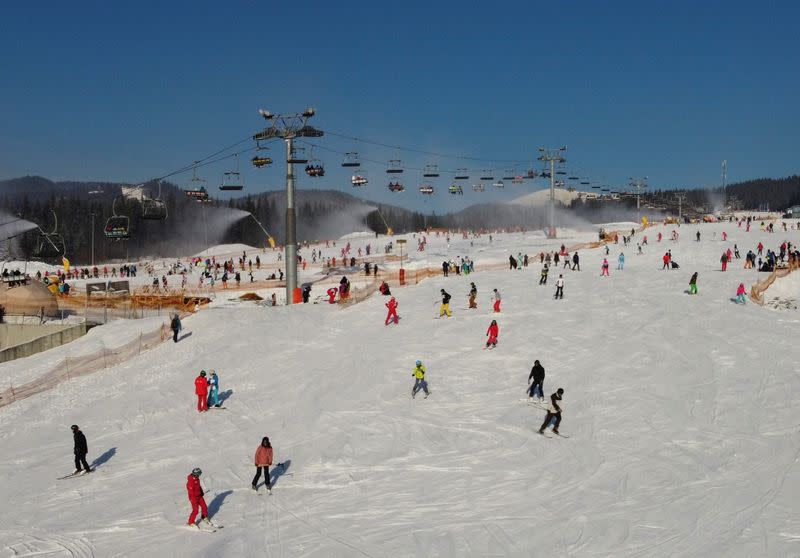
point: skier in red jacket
(392, 306)
(201, 390)
(492, 334)
(332, 295)
(195, 492)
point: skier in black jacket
(445, 308)
(553, 410)
(537, 375)
(81, 449)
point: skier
(665, 259)
(213, 394)
(697, 236)
(740, 292)
(392, 306)
(621, 261)
(553, 410)
(419, 380)
(175, 326)
(496, 300)
(332, 295)
(724, 260)
(81, 449)
(545, 271)
(445, 308)
(195, 492)
(492, 333)
(693, 284)
(537, 375)
(604, 268)
(473, 293)
(201, 390)
(576, 262)
(560, 287)
(263, 461)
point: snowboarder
(496, 300)
(604, 268)
(175, 326)
(740, 292)
(473, 294)
(445, 308)
(537, 377)
(693, 284)
(553, 411)
(195, 492)
(419, 380)
(213, 394)
(81, 449)
(392, 306)
(263, 461)
(201, 390)
(560, 287)
(492, 333)
(545, 271)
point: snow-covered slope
(681, 413)
(542, 197)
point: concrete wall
(21, 340)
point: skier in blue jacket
(213, 390)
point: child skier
(492, 334)
(604, 268)
(195, 492)
(740, 292)
(201, 390)
(419, 380)
(693, 284)
(545, 271)
(621, 261)
(553, 411)
(263, 461)
(392, 306)
(560, 287)
(445, 308)
(496, 300)
(213, 393)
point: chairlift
(487, 175)
(477, 188)
(573, 178)
(351, 160)
(50, 244)
(510, 174)
(462, 174)
(117, 226)
(561, 172)
(585, 182)
(297, 156)
(395, 167)
(558, 184)
(518, 179)
(499, 184)
(231, 179)
(261, 161)
(426, 189)
(455, 189)
(593, 187)
(200, 194)
(431, 171)
(531, 174)
(396, 186)
(154, 208)
(545, 174)
(359, 179)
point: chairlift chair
(359, 179)
(297, 156)
(396, 186)
(351, 160)
(154, 209)
(455, 189)
(431, 171)
(395, 167)
(499, 184)
(487, 175)
(462, 174)
(231, 180)
(426, 189)
(261, 161)
(477, 188)
(117, 226)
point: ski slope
(681, 413)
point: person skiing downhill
(553, 411)
(201, 390)
(445, 308)
(693, 284)
(419, 380)
(545, 271)
(576, 262)
(195, 492)
(724, 261)
(740, 293)
(175, 326)
(263, 461)
(473, 294)
(81, 448)
(604, 268)
(392, 314)
(621, 261)
(492, 333)
(213, 393)
(496, 300)
(560, 287)
(537, 376)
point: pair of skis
(73, 475)
(205, 526)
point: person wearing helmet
(392, 306)
(195, 492)
(419, 380)
(81, 449)
(201, 390)
(263, 461)
(445, 308)
(492, 334)
(537, 378)
(553, 411)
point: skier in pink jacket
(740, 292)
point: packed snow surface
(681, 413)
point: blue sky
(125, 92)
